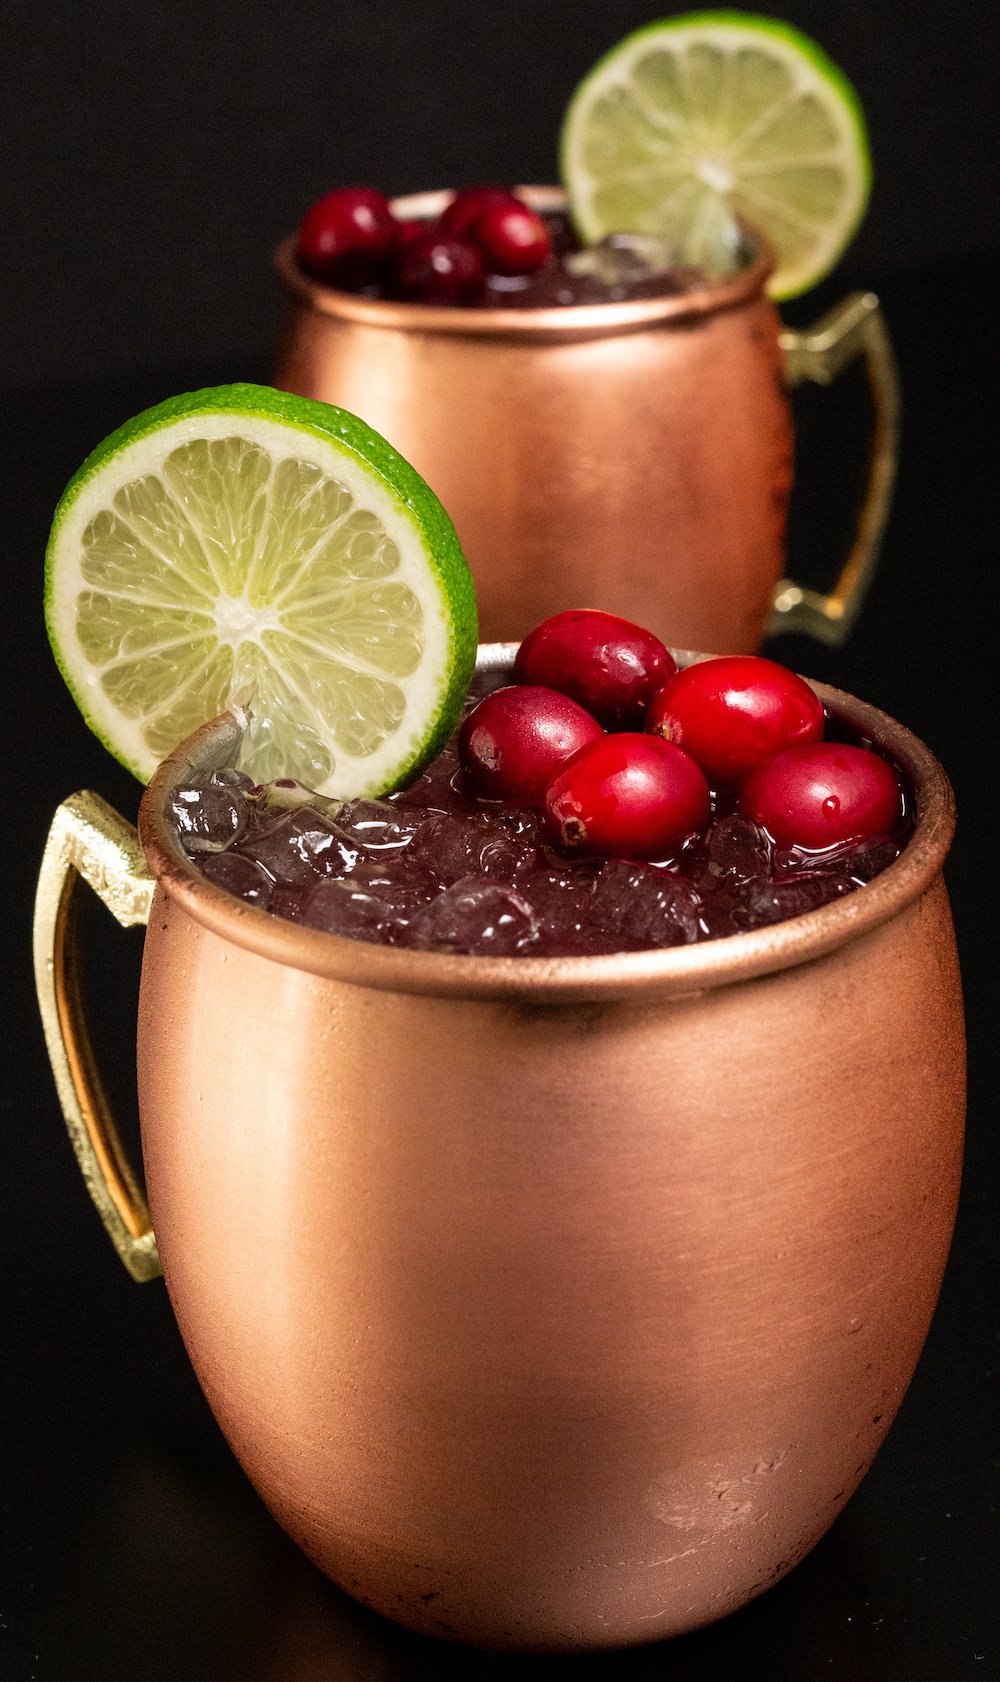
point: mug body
(555, 1304)
(635, 457)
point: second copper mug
(635, 457)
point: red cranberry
(612, 667)
(515, 739)
(408, 233)
(734, 713)
(513, 239)
(459, 218)
(436, 270)
(346, 235)
(822, 795)
(626, 796)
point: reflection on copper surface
(635, 457)
(555, 1304)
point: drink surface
(617, 269)
(432, 867)
(490, 249)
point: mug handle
(89, 841)
(855, 327)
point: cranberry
(346, 235)
(626, 796)
(513, 239)
(407, 235)
(439, 270)
(734, 713)
(823, 794)
(459, 218)
(515, 739)
(612, 667)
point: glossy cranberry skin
(822, 795)
(459, 218)
(612, 667)
(734, 713)
(627, 796)
(346, 235)
(513, 240)
(513, 742)
(408, 233)
(436, 270)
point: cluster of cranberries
(602, 802)
(625, 755)
(351, 239)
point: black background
(156, 154)
(154, 159)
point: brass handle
(856, 327)
(89, 840)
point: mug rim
(670, 971)
(559, 322)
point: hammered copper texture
(633, 457)
(544, 1310)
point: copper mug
(549, 1304)
(635, 457)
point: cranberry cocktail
(488, 249)
(603, 802)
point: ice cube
(380, 825)
(738, 849)
(209, 814)
(363, 913)
(227, 776)
(622, 259)
(764, 903)
(523, 822)
(239, 876)
(451, 845)
(288, 795)
(505, 858)
(478, 917)
(871, 857)
(644, 905)
(856, 861)
(560, 899)
(298, 846)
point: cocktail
(555, 1286)
(612, 428)
(537, 832)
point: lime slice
(692, 121)
(241, 543)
